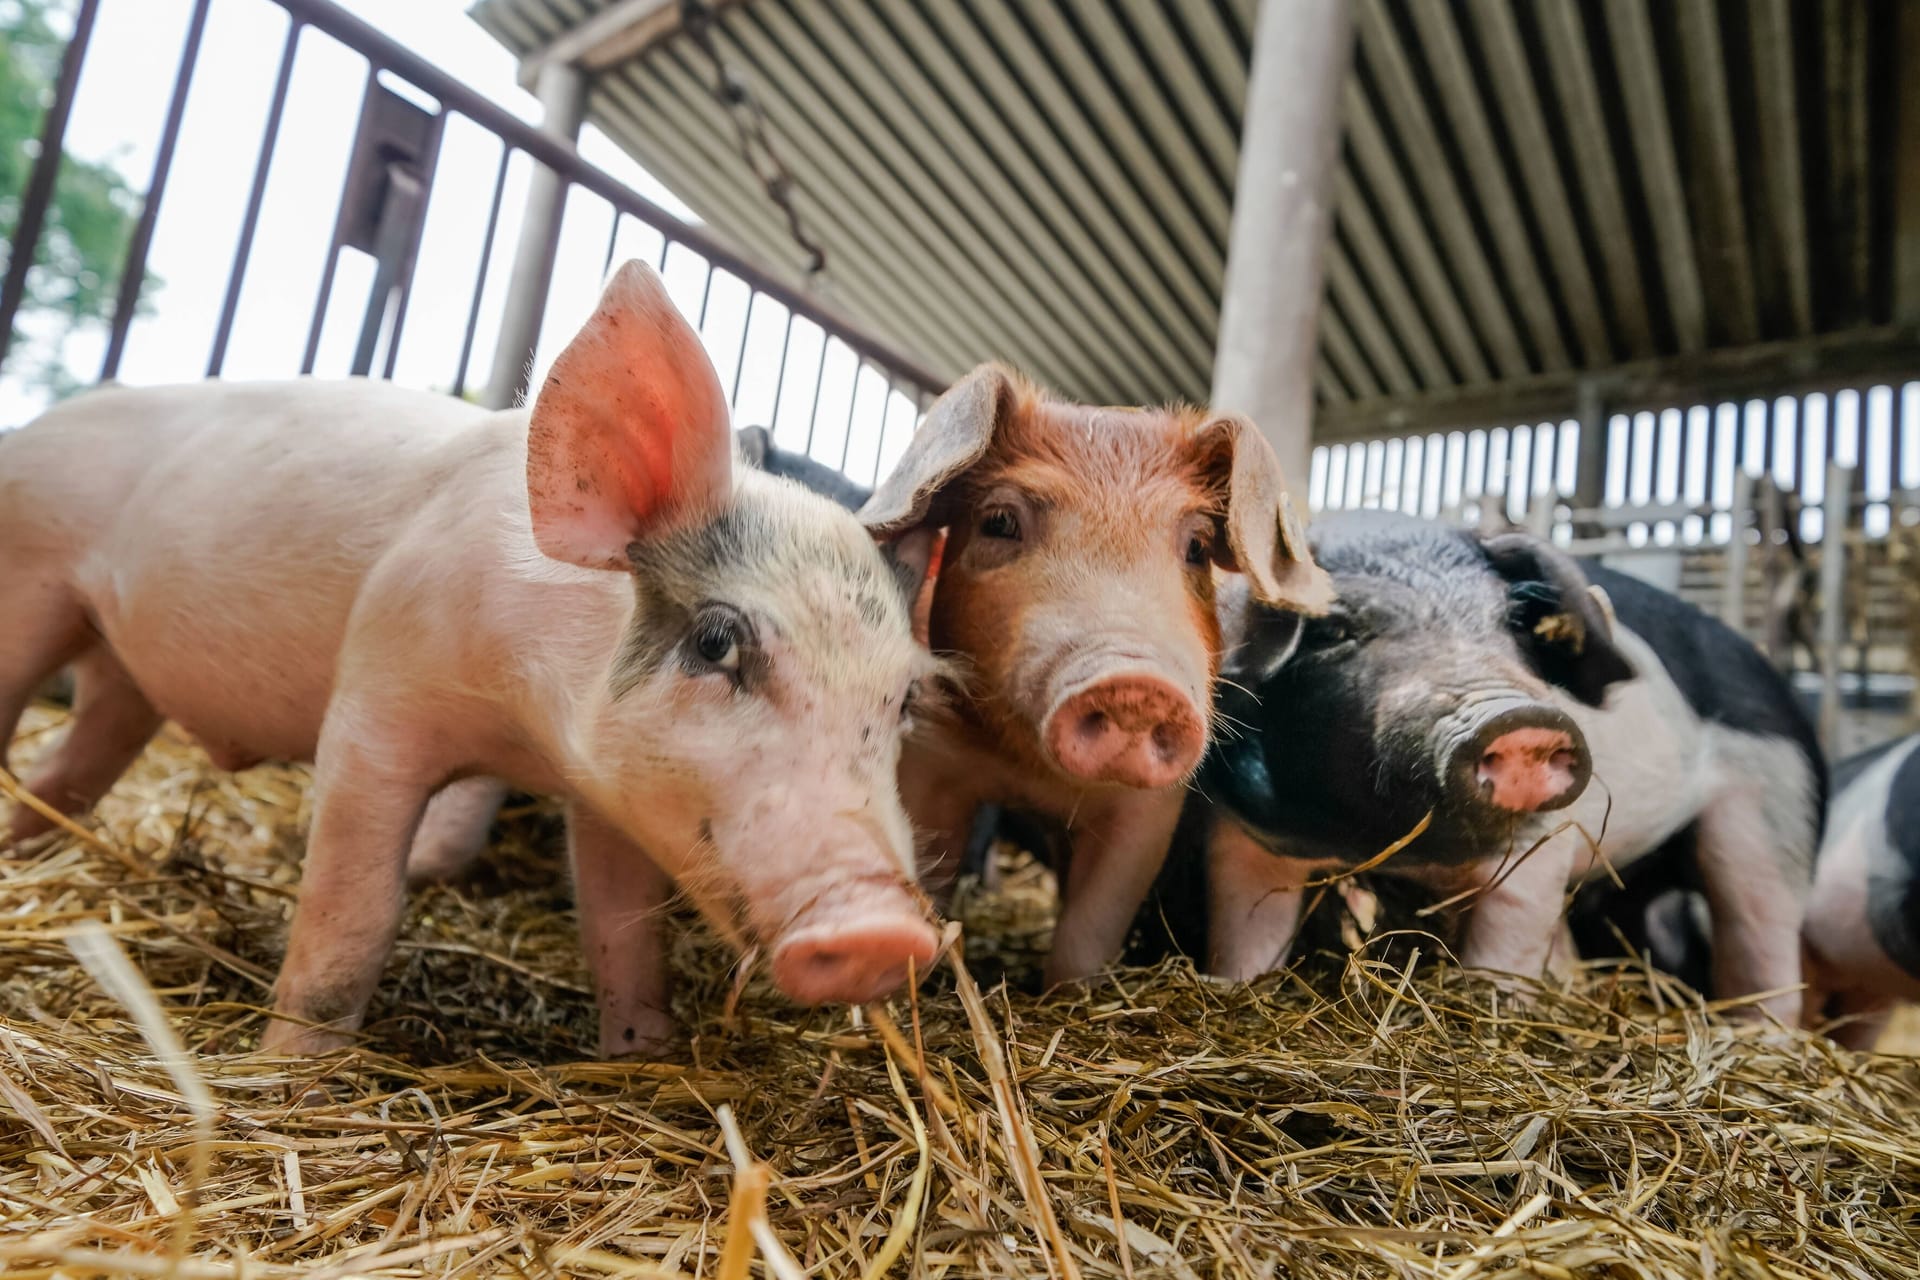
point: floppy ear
(1563, 622)
(1263, 539)
(753, 443)
(628, 437)
(954, 436)
(914, 557)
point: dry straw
(1366, 1118)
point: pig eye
(1199, 554)
(1000, 523)
(1327, 633)
(717, 638)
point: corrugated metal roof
(1527, 189)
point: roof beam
(1381, 51)
(1446, 57)
(1564, 34)
(1345, 289)
(1359, 238)
(1850, 359)
(1843, 40)
(1389, 188)
(1776, 93)
(1716, 171)
(1906, 168)
(1645, 99)
(622, 30)
(1526, 124)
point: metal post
(1833, 602)
(563, 95)
(1283, 198)
(1590, 465)
(1733, 602)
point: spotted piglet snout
(1520, 757)
(1135, 730)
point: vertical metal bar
(706, 294)
(780, 378)
(416, 221)
(325, 293)
(1769, 426)
(613, 237)
(886, 412)
(853, 402)
(25, 237)
(660, 263)
(740, 360)
(1896, 427)
(1833, 583)
(480, 277)
(250, 221)
(1590, 466)
(133, 273)
(819, 376)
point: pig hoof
(852, 964)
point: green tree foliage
(91, 217)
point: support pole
(1282, 215)
(1590, 463)
(562, 90)
(1833, 599)
(1733, 603)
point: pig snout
(854, 960)
(1518, 756)
(1135, 730)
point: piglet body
(585, 600)
(1076, 599)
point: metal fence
(390, 181)
(1670, 477)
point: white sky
(117, 116)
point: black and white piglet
(1540, 728)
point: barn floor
(1378, 1120)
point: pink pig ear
(629, 436)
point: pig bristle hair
(1375, 1111)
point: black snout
(1514, 756)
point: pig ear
(1264, 539)
(954, 436)
(628, 437)
(914, 557)
(1565, 623)
(753, 443)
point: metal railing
(381, 211)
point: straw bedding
(1368, 1118)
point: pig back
(223, 576)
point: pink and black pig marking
(1863, 919)
(1661, 733)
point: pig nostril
(1563, 759)
(1167, 742)
(1093, 725)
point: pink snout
(1138, 731)
(852, 963)
(1526, 770)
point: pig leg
(369, 793)
(453, 832)
(41, 629)
(1253, 904)
(622, 897)
(1519, 916)
(112, 723)
(1756, 908)
(1115, 857)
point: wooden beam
(1645, 99)
(1843, 41)
(1716, 173)
(1906, 169)
(1776, 92)
(1768, 369)
(1564, 34)
(622, 30)
(1381, 51)
(1486, 174)
(1526, 123)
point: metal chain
(697, 19)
